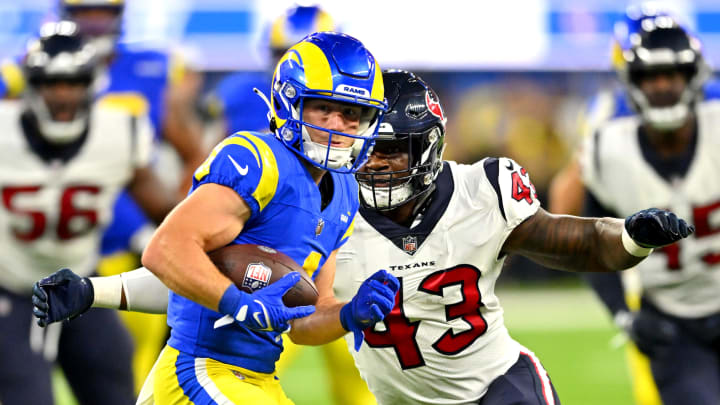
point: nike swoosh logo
(242, 170)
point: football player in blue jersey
(326, 104)
(234, 103)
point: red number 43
(400, 331)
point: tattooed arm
(571, 243)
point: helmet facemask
(389, 189)
(295, 130)
(662, 47)
(60, 58)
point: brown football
(252, 267)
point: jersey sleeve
(516, 196)
(591, 169)
(143, 138)
(246, 164)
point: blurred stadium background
(515, 78)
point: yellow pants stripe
(183, 379)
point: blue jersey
(239, 104)
(285, 215)
(139, 76)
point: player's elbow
(155, 255)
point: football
(252, 267)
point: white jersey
(53, 213)
(445, 341)
(681, 279)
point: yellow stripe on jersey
(349, 230)
(132, 102)
(267, 185)
(312, 262)
(13, 78)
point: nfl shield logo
(410, 244)
(257, 276)
(319, 227)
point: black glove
(653, 228)
(651, 333)
(62, 295)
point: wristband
(632, 247)
(230, 300)
(107, 291)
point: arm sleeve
(245, 163)
(143, 138)
(143, 291)
(607, 286)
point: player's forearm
(184, 267)
(321, 327)
(137, 290)
(574, 243)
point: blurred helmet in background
(296, 24)
(415, 123)
(653, 42)
(57, 61)
(336, 67)
(99, 21)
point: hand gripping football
(252, 267)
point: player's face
(663, 88)
(95, 22)
(63, 98)
(387, 156)
(333, 115)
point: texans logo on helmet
(433, 105)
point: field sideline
(565, 326)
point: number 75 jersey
(445, 339)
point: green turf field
(564, 326)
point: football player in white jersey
(64, 160)
(444, 230)
(666, 156)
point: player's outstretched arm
(333, 319)
(65, 295)
(594, 244)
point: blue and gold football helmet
(296, 24)
(332, 66)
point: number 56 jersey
(52, 211)
(445, 340)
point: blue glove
(62, 295)
(264, 310)
(653, 228)
(652, 334)
(375, 299)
